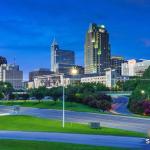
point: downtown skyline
(28, 27)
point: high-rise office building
(116, 62)
(60, 57)
(97, 50)
(12, 74)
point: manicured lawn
(36, 145)
(51, 105)
(28, 123)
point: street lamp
(74, 71)
(143, 92)
(63, 122)
(5, 93)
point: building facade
(12, 74)
(135, 67)
(39, 72)
(97, 50)
(66, 68)
(60, 57)
(116, 62)
(94, 79)
(53, 80)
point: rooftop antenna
(54, 41)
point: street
(107, 120)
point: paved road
(97, 140)
(120, 105)
(114, 121)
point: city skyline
(28, 28)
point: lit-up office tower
(97, 50)
(61, 59)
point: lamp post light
(74, 71)
(143, 93)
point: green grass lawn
(36, 145)
(51, 105)
(28, 123)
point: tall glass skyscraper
(97, 50)
(60, 57)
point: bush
(93, 103)
(140, 107)
(87, 99)
(103, 105)
(1, 95)
(103, 97)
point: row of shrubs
(140, 107)
(99, 101)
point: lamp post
(63, 122)
(5, 87)
(74, 71)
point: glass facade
(60, 57)
(97, 50)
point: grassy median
(28, 123)
(51, 105)
(38, 145)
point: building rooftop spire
(54, 42)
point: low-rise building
(94, 79)
(54, 80)
(135, 67)
(39, 72)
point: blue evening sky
(27, 28)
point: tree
(56, 93)
(1, 95)
(39, 95)
(88, 99)
(131, 84)
(101, 96)
(139, 101)
(6, 88)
